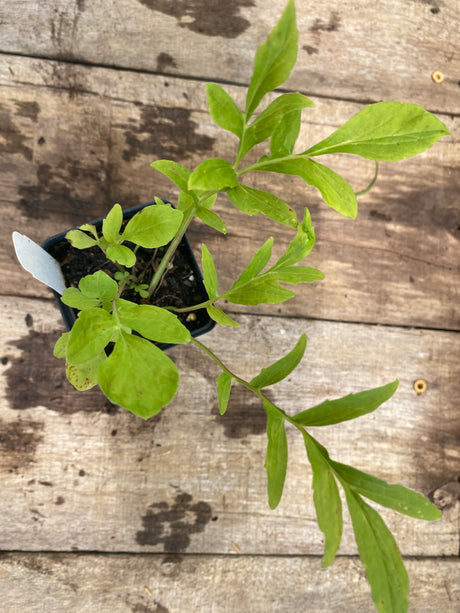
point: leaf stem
(371, 184)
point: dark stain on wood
(212, 18)
(310, 50)
(172, 524)
(12, 141)
(18, 442)
(142, 608)
(327, 26)
(59, 500)
(165, 133)
(244, 416)
(164, 60)
(37, 378)
(27, 109)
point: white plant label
(38, 262)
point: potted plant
(123, 315)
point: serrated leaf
(257, 264)
(80, 240)
(224, 386)
(223, 109)
(121, 254)
(98, 285)
(220, 317)
(90, 334)
(152, 322)
(274, 59)
(210, 279)
(349, 407)
(213, 175)
(174, 171)
(280, 369)
(253, 201)
(268, 120)
(277, 454)
(153, 226)
(84, 376)
(327, 500)
(111, 225)
(211, 219)
(380, 555)
(73, 298)
(138, 376)
(285, 134)
(335, 191)
(60, 346)
(384, 131)
(395, 497)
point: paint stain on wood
(172, 524)
(18, 442)
(245, 415)
(165, 133)
(37, 378)
(212, 18)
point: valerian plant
(136, 374)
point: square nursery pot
(182, 285)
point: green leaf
(138, 376)
(257, 264)
(281, 368)
(335, 191)
(111, 225)
(73, 298)
(90, 334)
(384, 131)
(224, 385)
(213, 175)
(269, 118)
(88, 227)
(277, 454)
(98, 285)
(185, 202)
(84, 376)
(327, 500)
(61, 345)
(258, 291)
(154, 226)
(274, 59)
(121, 254)
(300, 246)
(380, 555)
(349, 407)
(395, 497)
(174, 171)
(210, 280)
(296, 274)
(223, 109)
(285, 134)
(211, 219)
(220, 317)
(253, 201)
(153, 322)
(80, 240)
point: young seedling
(112, 342)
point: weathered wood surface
(358, 50)
(78, 139)
(80, 474)
(78, 134)
(51, 583)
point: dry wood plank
(76, 473)
(51, 583)
(77, 139)
(359, 50)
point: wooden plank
(173, 584)
(359, 50)
(76, 473)
(78, 139)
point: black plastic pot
(55, 245)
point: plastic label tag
(38, 262)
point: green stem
(371, 184)
(170, 251)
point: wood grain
(78, 139)
(82, 474)
(357, 50)
(48, 583)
